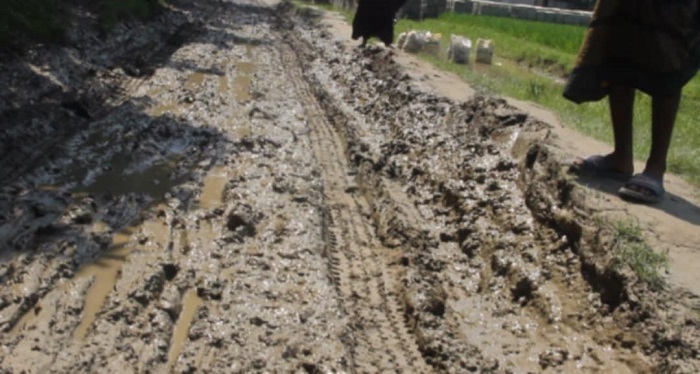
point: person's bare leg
(621, 100)
(663, 119)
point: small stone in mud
(300, 199)
(83, 218)
(523, 290)
(210, 288)
(626, 340)
(471, 247)
(447, 237)
(240, 225)
(553, 357)
(170, 271)
(436, 301)
(257, 321)
(259, 363)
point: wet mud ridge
(259, 198)
(495, 263)
(358, 261)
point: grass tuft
(631, 250)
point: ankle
(622, 161)
(655, 170)
(623, 156)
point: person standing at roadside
(647, 45)
(375, 18)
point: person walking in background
(375, 18)
(647, 45)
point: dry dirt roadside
(255, 196)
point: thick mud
(249, 195)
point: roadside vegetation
(633, 252)
(45, 21)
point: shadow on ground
(673, 205)
(79, 150)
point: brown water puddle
(168, 108)
(195, 80)
(243, 130)
(190, 305)
(207, 233)
(106, 269)
(153, 181)
(155, 91)
(249, 48)
(26, 320)
(243, 81)
(213, 189)
(223, 85)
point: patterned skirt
(650, 45)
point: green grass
(632, 251)
(550, 47)
(532, 59)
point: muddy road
(228, 189)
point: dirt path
(255, 196)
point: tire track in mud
(503, 312)
(357, 259)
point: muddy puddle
(223, 85)
(195, 80)
(190, 305)
(104, 271)
(153, 181)
(213, 189)
(242, 82)
(168, 108)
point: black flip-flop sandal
(647, 182)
